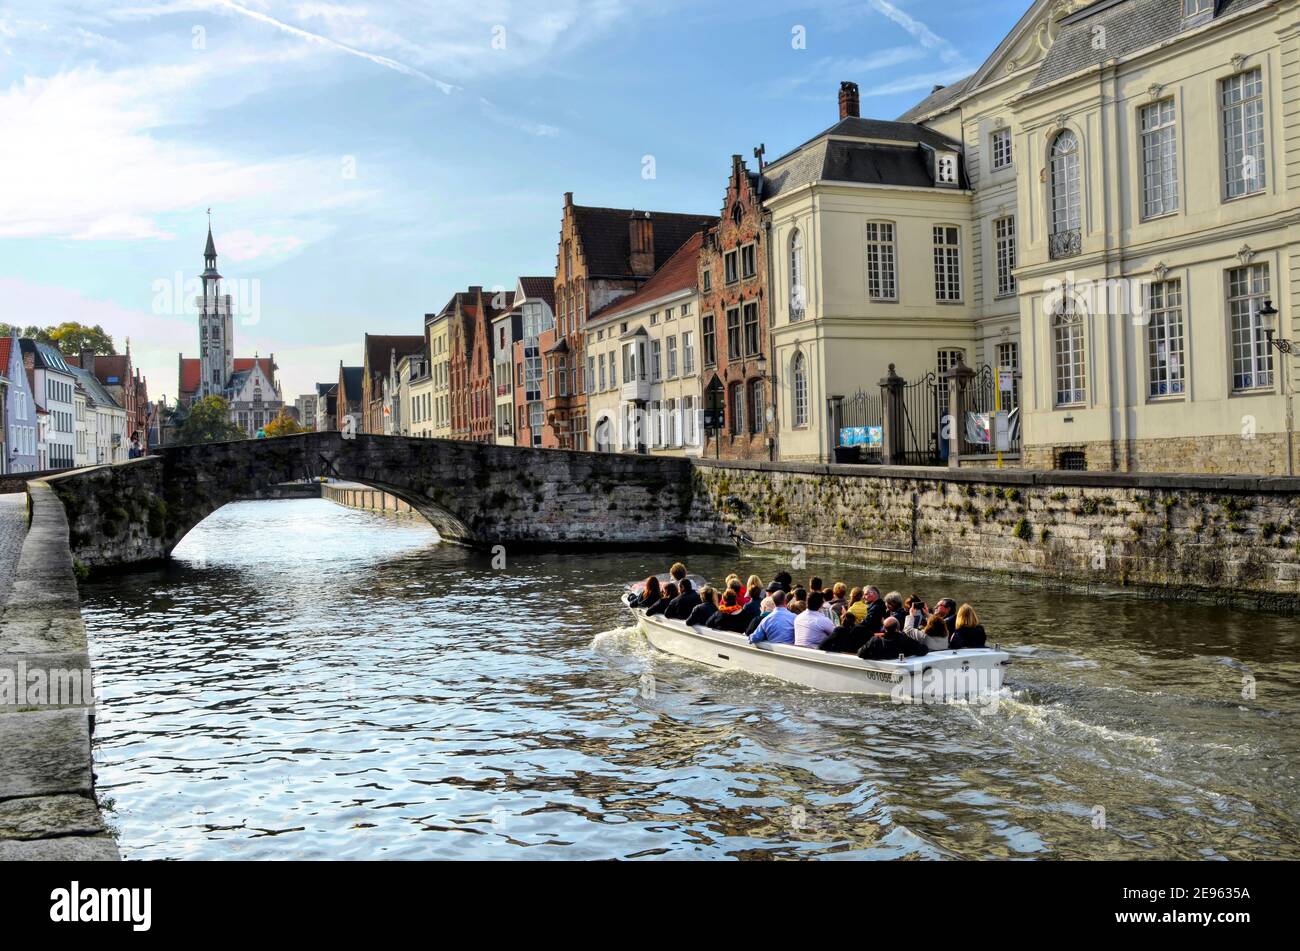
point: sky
(362, 161)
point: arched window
(798, 293)
(1067, 354)
(1064, 199)
(799, 389)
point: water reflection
(309, 681)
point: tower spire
(210, 252)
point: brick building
(734, 316)
(604, 254)
(381, 352)
(347, 397)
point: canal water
(310, 681)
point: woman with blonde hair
(968, 632)
(754, 582)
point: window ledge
(1160, 217)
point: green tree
(69, 337)
(208, 420)
(283, 425)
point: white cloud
(244, 245)
(95, 156)
(919, 31)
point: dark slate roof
(47, 357)
(323, 388)
(352, 381)
(379, 346)
(937, 100)
(94, 389)
(833, 156)
(1131, 25)
(606, 241)
(856, 128)
(867, 163)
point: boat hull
(940, 676)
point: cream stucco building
(643, 368)
(1121, 226)
(437, 331)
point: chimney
(88, 361)
(568, 199)
(848, 100)
(641, 241)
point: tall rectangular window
(882, 273)
(1165, 338)
(748, 266)
(733, 334)
(1067, 352)
(947, 263)
(672, 358)
(1159, 159)
(1252, 357)
(729, 267)
(688, 353)
(1000, 143)
(751, 329)
(1241, 100)
(709, 338)
(1004, 239)
(656, 348)
(1008, 367)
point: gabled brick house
(604, 254)
(381, 351)
(734, 322)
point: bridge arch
(474, 494)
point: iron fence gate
(859, 413)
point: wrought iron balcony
(1065, 244)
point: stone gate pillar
(892, 435)
(958, 377)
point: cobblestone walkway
(13, 529)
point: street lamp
(1268, 321)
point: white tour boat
(935, 677)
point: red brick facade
(604, 255)
(734, 322)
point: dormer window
(1194, 8)
(945, 169)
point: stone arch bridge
(474, 494)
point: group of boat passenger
(837, 619)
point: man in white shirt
(811, 627)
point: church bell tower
(216, 327)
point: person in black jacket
(781, 582)
(730, 616)
(666, 598)
(682, 605)
(894, 608)
(968, 631)
(890, 642)
(946, 608)
(707, 607)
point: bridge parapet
(474, 494)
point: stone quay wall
(356, 496)
(47, 799)
(1234, 539)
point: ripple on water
(308, 681)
